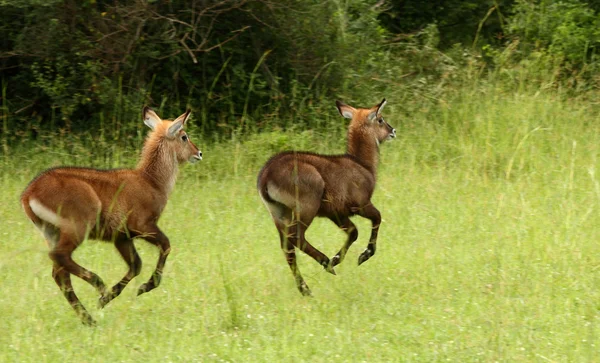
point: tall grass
(488, 249)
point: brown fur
(296, 187)
(70, 204)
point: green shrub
(568, 29)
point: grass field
(489, 251)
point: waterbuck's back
(92, 198)
(330, 184)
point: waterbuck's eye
(381, 120)
(184, 138)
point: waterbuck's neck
(159, 165)
(364, 147)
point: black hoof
(365, 256)
(335, 260)
(88, 321)
(304, 290)
(329, 268)
(327, 265)
(142, 289)
(105, 299)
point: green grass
(489, 251)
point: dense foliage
(247, 64)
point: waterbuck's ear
(175, 127)
(376, 110)
(380, 106)
(345, 110)
(151, 119)
(183, 118)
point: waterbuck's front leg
(157, 238)
(347, 226)
(127, 250)
(370, 212)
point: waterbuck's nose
(199, 155)
(393, 133)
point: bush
(567, 29)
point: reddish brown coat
(70, 204)
(296, 187)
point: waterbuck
(296, 187)
(71, 204)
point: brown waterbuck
(296, 187)
(70, 204)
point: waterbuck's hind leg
(127, 250)
(370, 212)
(61, 255)
(347, 226)
(63, 280)
(159, 239)
(289, 252)
(61, 276)
(296, 235)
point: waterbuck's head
(368, 121)
(171, 137)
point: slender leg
(296, 235)
(62, 253)
(290, 256)
(157, 238)
(370, 212)
(345, 224)
(127, 250)
(63, 280)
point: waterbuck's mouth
(197, 157)
(392, 135)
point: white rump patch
(45, 213)
(273, 210)
(276, 210)
(281, 196)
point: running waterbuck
(69, 204)
(296, 187)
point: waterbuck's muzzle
(196, 157)
(392, 134)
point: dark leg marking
(370, 212)
(63, 280)
(61, 255)
(127, 250)
(157, 238)
(289, 252)
(296, 235)
(345, 224)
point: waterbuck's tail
(26, 204)
(44, 213)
